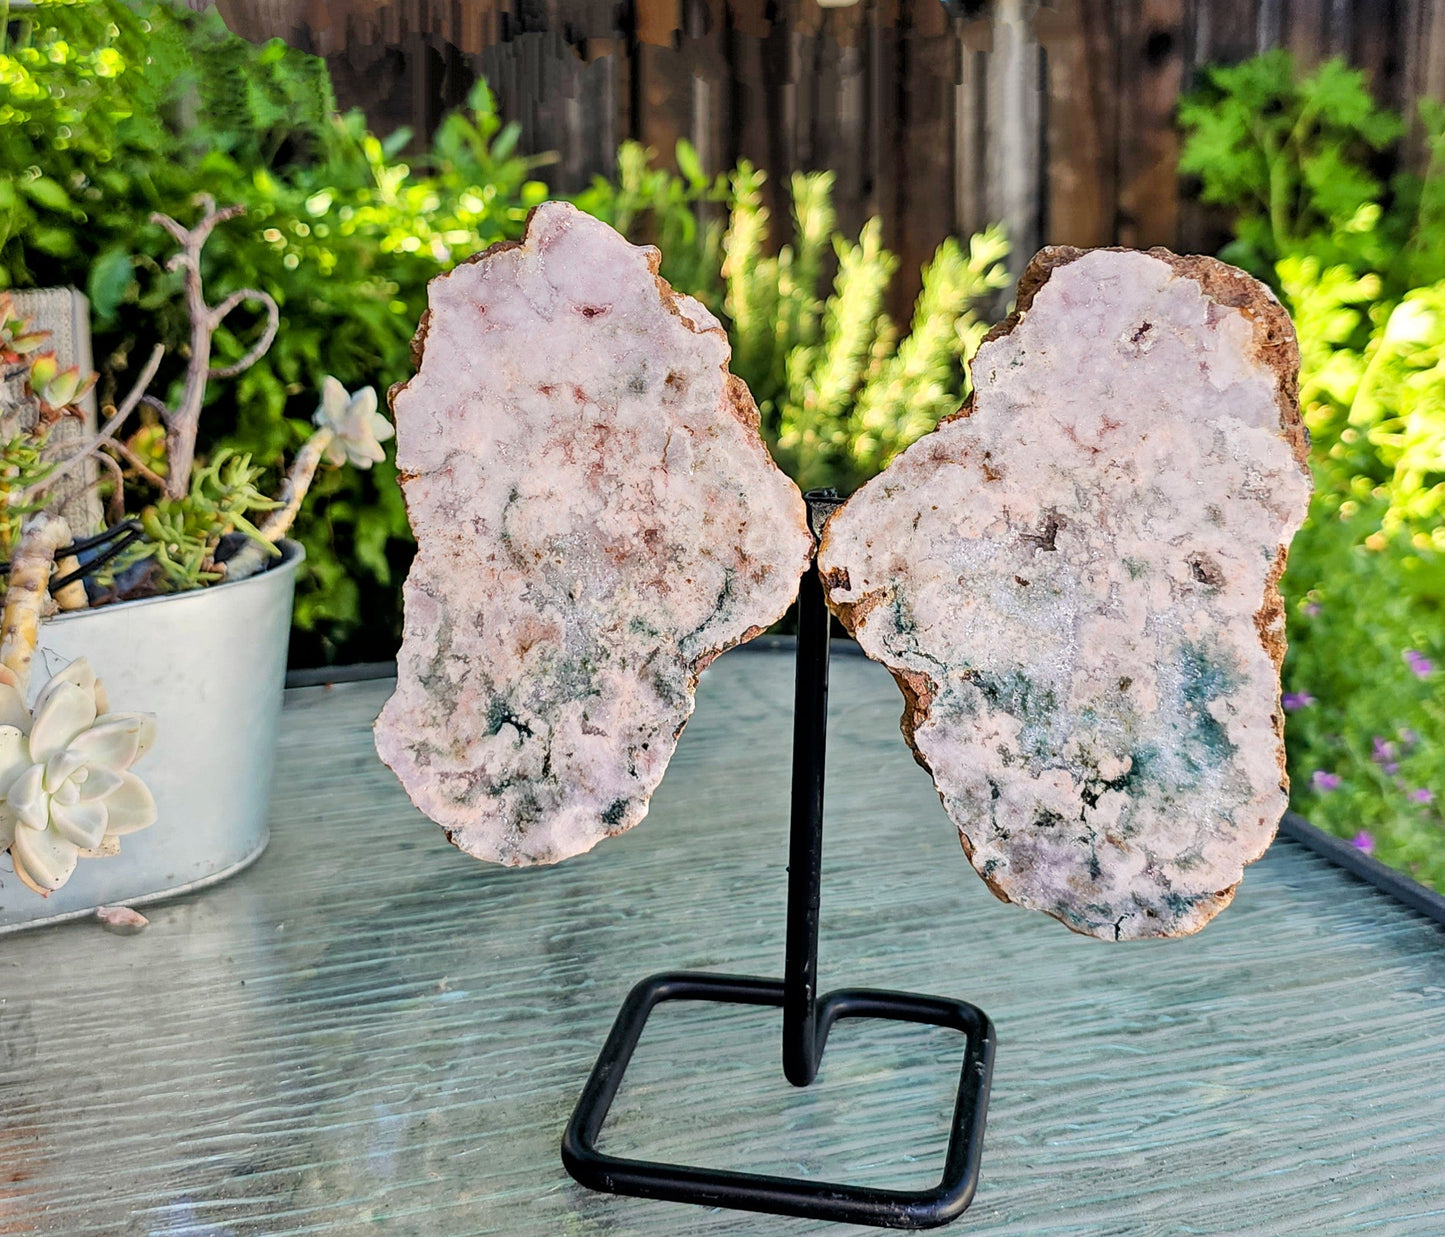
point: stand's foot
(817, 1200)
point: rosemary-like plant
(840, 393)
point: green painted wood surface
(369, 1032)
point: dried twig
(106, 436)
(258, 349)
(135, 461)
(115, 509)
(182, 421)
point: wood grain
(1055, 117)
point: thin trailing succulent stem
(298, 481)
(182, 421)
(138, 391)
(25, 596)
(72, 596)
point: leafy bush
(1361, 265)
(840, 394)
(652, 206)
(109, 111)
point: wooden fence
(1055, 118)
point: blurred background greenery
(109, 111)
(1361, 265)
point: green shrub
(652, 206)
(1361, 265)
(839, 393)
(110, 111)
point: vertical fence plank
(1423, 69)
(973, 43)
(1054, 116)
(663, 85)
(704, 27)
(1151, 45)
(886, 191)
(928, 52)
(1226, 31)
(1306, 35)
(1081, 114)
(1012, 125)
(1375, 31)
(838, 86)
(757, 57)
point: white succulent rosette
(66, 789)
(358, 428)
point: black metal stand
(806, 1018)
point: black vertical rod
(805, 844)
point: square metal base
(817, 1200)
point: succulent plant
(56, 387)
(348, 428)
(17, 339)
(66, 789)
(358, 429)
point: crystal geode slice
(597, 518)
(1074, 582)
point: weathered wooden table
(370, 1032)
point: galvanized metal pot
(211, 665)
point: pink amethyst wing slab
(1074, 582)
(597, 518)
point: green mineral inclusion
(1201, 744)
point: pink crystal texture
(1074, 582)
(597, 518)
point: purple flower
(1384, 755)
(1423, 795)
(1295, 701)
(1419, 663)
(1325, 782)
(1408, 737)
(1312, 608)
(1363, 841)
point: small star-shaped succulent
(358, 428)
(66, 790)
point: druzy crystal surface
(597, 518)
(1074, 581)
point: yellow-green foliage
(1361, 266)
(839, 394)
(182, 534)
(21, 467)
(112, 109)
